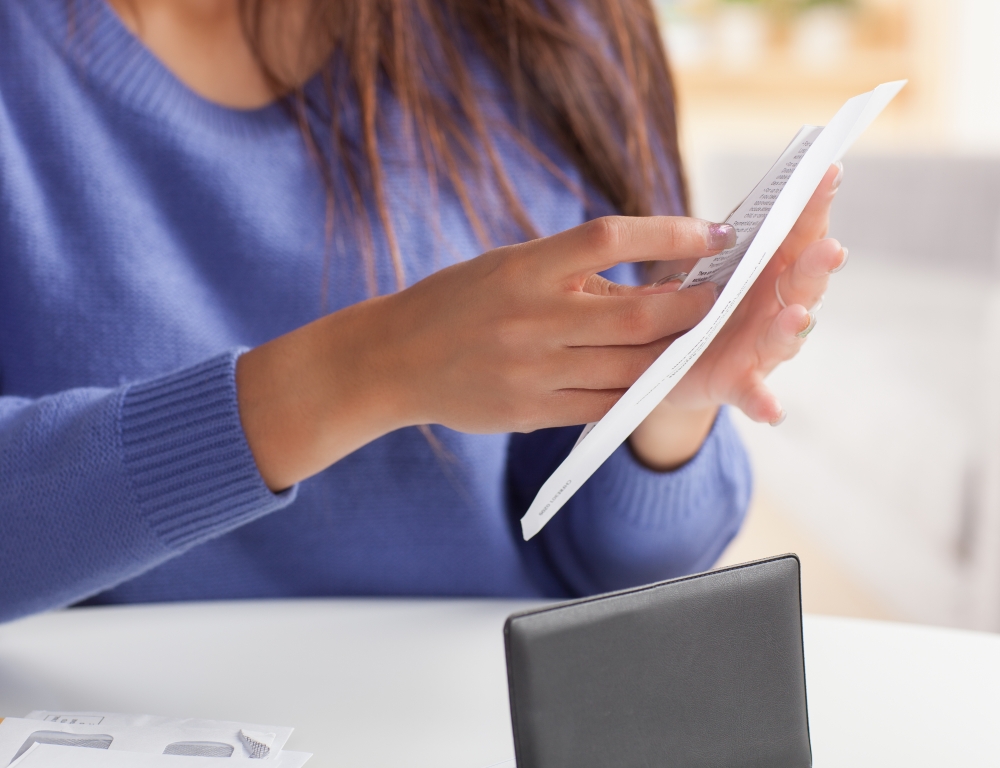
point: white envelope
(598, 441)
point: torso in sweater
(146, 232)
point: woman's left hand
(758, 336)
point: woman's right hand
(519, 338)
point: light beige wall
(973, 74)
(948, 50)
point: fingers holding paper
(814, 222)
(772, 322)
(695, 379)
(781, 341)
(578, 254)
(805, 280)
(761, 334)
(801, 286)
(530, 336)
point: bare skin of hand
(759, 335)
(520, 338)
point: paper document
(762, 222)
(52, 756)
(278, 735)
(749, 216)
(144, 734)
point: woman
(314, 181)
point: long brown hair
(592, 74)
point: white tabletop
(408, 684)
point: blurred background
(885, 477)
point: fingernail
(677, 276)
(809, 326)
(843, 262)
(717, 288)
(781, 418)
(840, 175)
(721, 237)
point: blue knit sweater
(147, 237)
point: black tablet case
(705, 670)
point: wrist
(670, 436)
(362, 367)
(312, 396)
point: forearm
(99, 485)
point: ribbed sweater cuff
(190, 464)
(632, 525)
(647, 498)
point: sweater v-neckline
(92, 38)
